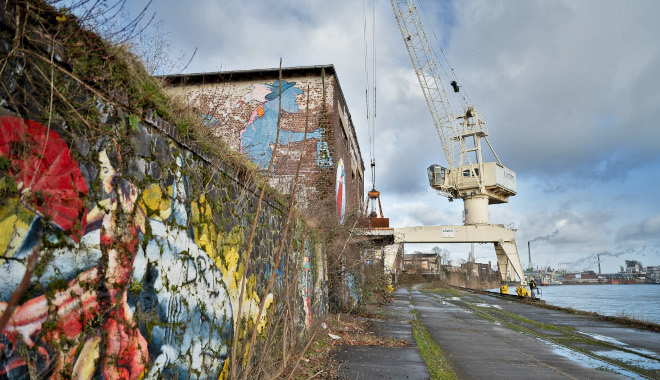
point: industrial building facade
(242, 107)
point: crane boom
(426, 69)
(466, 177)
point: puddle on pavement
(588, 361)
(426, 308)
(604, 338)
(644, 352)
(630, 359)
(487, 305)
(615, 342)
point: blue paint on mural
(258, 136)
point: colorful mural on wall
(136, 278)
(259, 134)
(340, 190)
(52, 187)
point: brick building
(428, 262)
(242, 106)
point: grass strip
(436, 363)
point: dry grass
(352, 330)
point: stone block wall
(123, 244)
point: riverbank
(640, 302)
(598, 282)
(631, 322)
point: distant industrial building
(427, 262)
(633, 266)
(242, 106)
(430, 263)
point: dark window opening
(468, 172)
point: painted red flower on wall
(48, 178)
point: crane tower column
(475, 210)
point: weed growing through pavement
(436, 362)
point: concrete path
(386, 362)
(484, 337)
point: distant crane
(466, 176)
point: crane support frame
(502, 238)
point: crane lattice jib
(428, 75)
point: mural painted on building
(135, 280)
(258, 135)
(340, 190)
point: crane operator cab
(437, 175)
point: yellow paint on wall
(14, 223)
(86, 363)
(225, 371)
(159, 207)
(224, 250)
(152, 196)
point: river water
(633, 301)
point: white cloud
(642, 233)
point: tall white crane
(466, 176)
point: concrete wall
(242, 107)
(140, 236)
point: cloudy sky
(570, 91)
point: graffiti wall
(139, 238)
(140, 256)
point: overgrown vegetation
(356, 282)
(348, 330)
(104, 65)
(437, 364)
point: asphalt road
(485, 337)
(365, 363)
